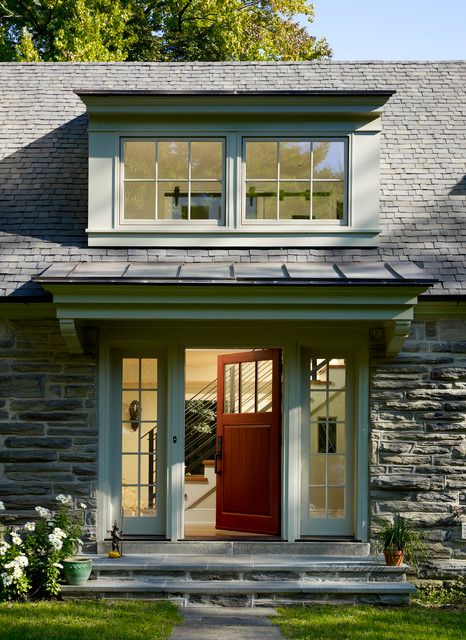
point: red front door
(247, 460)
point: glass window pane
(261, 200)
(336, 469)
(337, 373)
(264, 385)
(172, 159)
(327, 201)
(129, 469)
(315, 438)
(317, 502)
(329, 159)
(129, 501)
(172, 200)
(148, 373)
(206, 159)
(261, 159)
(340, 439)
(139, 159)
(318, 469)
(295, 201)
(130, 373)
(206, 200)
(149, 405)
(332, 436)
(148, 438)
(130, 411)
(148, 469)
(319, 367)
(336, 502)
(322, 436)
(248, 387)
(318, 405)
(295, 159)
(231, 388)
(336, 405)
(129, 438)
(139, 200)
(148, 502)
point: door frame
(169, 339)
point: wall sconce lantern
(134, 414)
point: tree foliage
(163, 30)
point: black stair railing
(200, 426)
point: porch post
(291, 454)
(175, 442)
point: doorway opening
(232, 444)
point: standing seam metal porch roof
(270, 273)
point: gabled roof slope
(43, 161)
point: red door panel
(248, 442)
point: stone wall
(418, 440)
(48, 433)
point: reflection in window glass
(139, 159)
(261, 200)
(327, 459)
(329, 160)
(173, 180)
(308, 176)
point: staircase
(247, 574)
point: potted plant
(68, 531)
(400, 541)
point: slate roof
(43, 162)
(308, 273)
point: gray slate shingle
(43, 162)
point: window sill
(240, 238)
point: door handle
(218, 453)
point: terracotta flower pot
(77, 570)
(394, 558)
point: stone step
(244, 592)
(239, 547)
(248, 567)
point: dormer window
(234, 169)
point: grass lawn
(370, 623)
(88, 620)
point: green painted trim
(362, 105)
(26, 310)
(426, 309)
(291, 439)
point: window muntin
(281, 174)
(172, 180)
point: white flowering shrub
(31, 555)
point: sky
(392, 29)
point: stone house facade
(65, 297)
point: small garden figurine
(117, 536)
